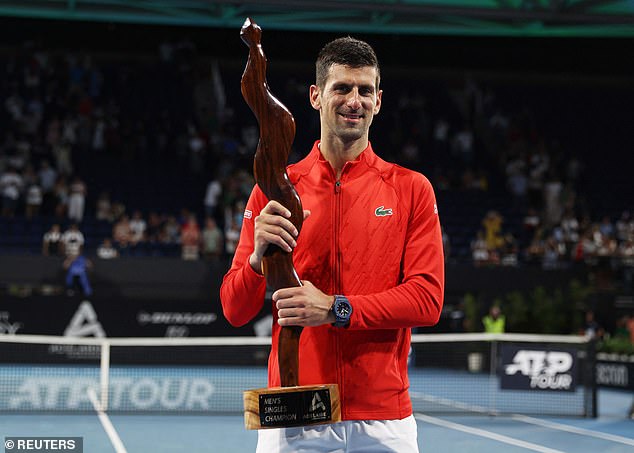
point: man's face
(347, 103)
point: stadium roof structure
(530, 18)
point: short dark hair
(346, 51)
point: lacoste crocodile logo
(382, 212)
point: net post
(493, 376)
(591, 376)
(104, 374)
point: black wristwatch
(342, 309)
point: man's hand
(303, 306)
(273, 226)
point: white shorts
(352, 436)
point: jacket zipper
(337, 279)
(337, 276)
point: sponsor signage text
(528, 368)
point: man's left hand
(303, 306)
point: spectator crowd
(64, 113)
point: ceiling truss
(418, 17)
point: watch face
(343, 310)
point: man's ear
(379, 98)
(315, 97)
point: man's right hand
(273, 226)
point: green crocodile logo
(382, 212)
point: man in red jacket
(371, 262)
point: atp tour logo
(529, 369)
(84, 323)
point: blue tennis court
(611, 432)
(165, 395)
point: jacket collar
(367, 159)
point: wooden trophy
(290, 404)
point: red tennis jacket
(373, 236)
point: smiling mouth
(352, 116)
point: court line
(115, 440)
(574, 429)
(484, 433)
(452, 403)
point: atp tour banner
(529, 367)
(130, 389)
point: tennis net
(497, 374)
(457, 373)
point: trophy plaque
(290, 404)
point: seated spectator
(76, 200)
(171, 231)
(608, 246)
(570, 227)
(212, 194)
(154, 226)
(516, 179)
(11, 183)
(52, 244)
(606, 227)
(117, 210)
(137, 226)
(553, 199)
(60, 192)
(479, 250)
(106, 251)
(122, 233)
(62, 152)
(551, 257)
(586, 249)
(492, 224)
(33, 199)
(509, 251)
(104, 208)
(73, 240)
(537, 246)
(190, 239)
(530, 224)
(48, 177)
(626, 252)
(232, 235)
(212, 239)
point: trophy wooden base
(282, 407)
